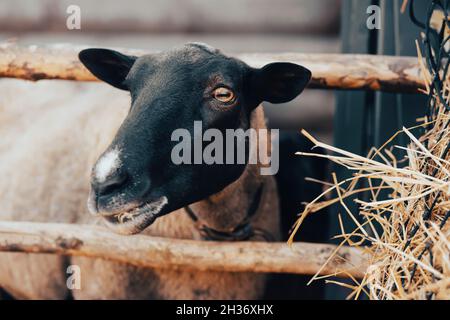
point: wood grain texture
(330, 71)
(154, 252)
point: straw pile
(405, 234)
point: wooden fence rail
(145, 251)
(330, 71)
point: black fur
(172, 90)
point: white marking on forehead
(107, 164)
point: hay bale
(407, 234)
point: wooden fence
(145, 251)
(330, 71)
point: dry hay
(405, 235)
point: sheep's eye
(224, 95)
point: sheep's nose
(112, 184)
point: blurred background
(233, 26)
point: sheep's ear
(108, 65)
(281, 81)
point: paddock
(344, 72)
(372, 81)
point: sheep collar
(242, 232)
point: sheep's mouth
(136, 219)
